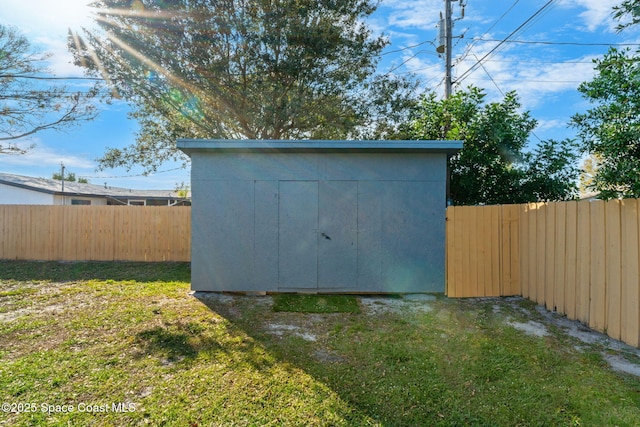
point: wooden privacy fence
(577, 258)
(95, 233)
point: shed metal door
(298, 238)
(338, 234)
(317, 234)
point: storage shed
(318, 216)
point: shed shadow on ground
(175, 345)
(298, 340)
(183, 341)
(306, 342)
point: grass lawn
(126, 344)
(300, 303)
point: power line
(394, 68)
(538, 62)
(130, 176)
(18, 76)
(520, 80)
(493, 25)
(402, 49)
(35, 94)
(419, 69)
(473, 42)
(557, 43)
(501, 17)
(475, 66)
(536, 19)
(490, 78)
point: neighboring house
(25, 190)
(590, 195)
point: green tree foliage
(611, 129)
(628, 13)
(70, 177)
(182, 189)
(30, 101)
(492, 167)
(257, 69)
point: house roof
(52, 186)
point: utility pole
(448, 34)
(445, 42)
(62, 175)
(62, 178)
(445, 45)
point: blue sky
(568, 34)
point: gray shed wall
(318, 221)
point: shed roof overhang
(190, 146)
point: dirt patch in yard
(620, 356)
(516, 312)
(279, 330)
(374, 305)
(35, 310)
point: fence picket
(583, 268)
(598, 308)
(630, 273)
(541, 252)
(612, 268)
(515, 281)
(560, 253)
(530, 248)
(550, 256)
(451, 270)
(483, 240)
(474, 289)
(494, 265)
(458, 262)
(571, 258)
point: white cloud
(42, 156)
(545, 125)
(595, 13)
(422, 14)
(535, 83)
(534, 79)
(61, 61)
(430, 71)
(46, 17)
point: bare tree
(31, 100)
